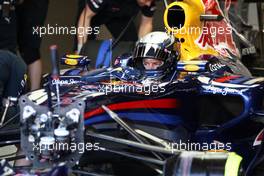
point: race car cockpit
(155, 56)
(147, 103)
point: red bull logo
(218, 34)
(198, 37)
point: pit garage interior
(66, 42)
(216, 105)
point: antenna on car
(55, 74)
(165, 3)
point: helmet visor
(150, 50)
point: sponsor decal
(216, 66)
(223, 91)
(65, 82)
(71, 62)
(191, 68)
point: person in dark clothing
(8, 36)
(31, 14)
(12, 67)
(12, 77)
(116, 15)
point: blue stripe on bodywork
(145, 117)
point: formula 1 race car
(199, 112)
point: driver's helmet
(154, 54)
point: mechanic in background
(116, 15)
(31, 14)
(12, 67)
